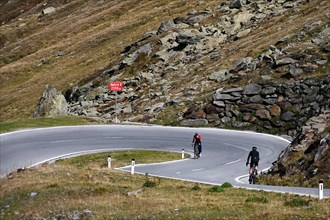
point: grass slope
(84, 186)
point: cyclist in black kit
(254, 155)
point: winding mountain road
(223, 157)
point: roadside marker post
(116, 109)
(116, 86)
(133, 166)
(109, 162)
(321, 189)
(182, 155)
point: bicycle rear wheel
(254, 176)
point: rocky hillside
(192, 70)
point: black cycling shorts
(255, 163)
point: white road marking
(78, 153)
(238, 179)
(198, 169)
(235, 161)
(113, 137)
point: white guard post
(109, 161)
(133, 166)
(321, 189)
(182, 156)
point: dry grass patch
(13, 125)
(86, 186)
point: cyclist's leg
(195, 150)
(250, 174)
(256, 167)
(251, 167)
(199, 149)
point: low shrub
(226, 185)
(196, 187)
(149, 184)
(216, 189)
(296, 202)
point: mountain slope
(69, 46)
(81, 39)
(235, 65)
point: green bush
(196, 187)
(297, 202)
(149, 184)
(216, 189)
(226, 185)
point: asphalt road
(223, 158)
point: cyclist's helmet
(254, 148)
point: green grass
(42, 122)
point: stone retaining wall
(273, 105)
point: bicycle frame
(253, 176)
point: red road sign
(116, 86)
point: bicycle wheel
(254, 175)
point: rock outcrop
(307, 158)
(52, 103)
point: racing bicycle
(197, 150)
(253, 176)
